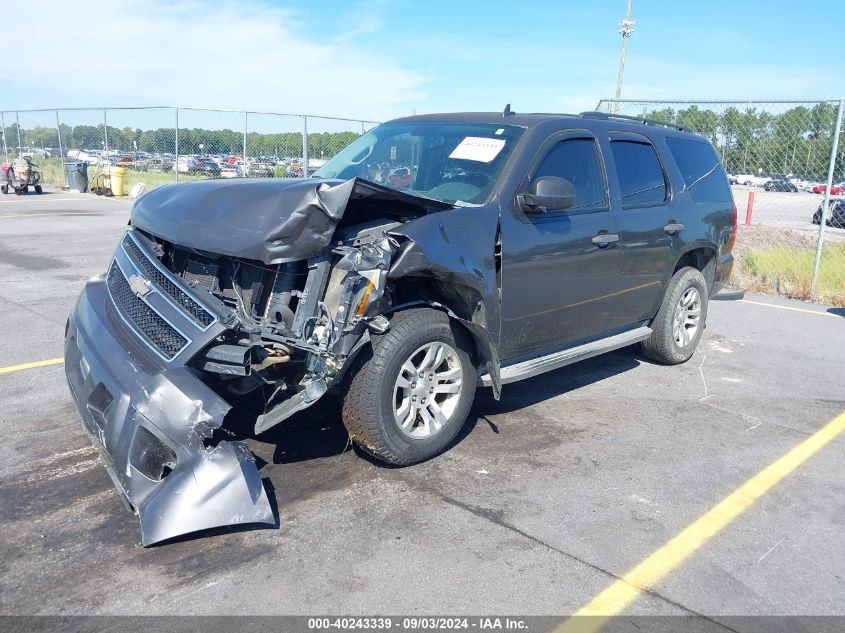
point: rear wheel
(409, 395)
(680, 321)
(38, 189)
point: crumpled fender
(466, 265)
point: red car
(834, 191)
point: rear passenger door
(642, 203)
(560, 270)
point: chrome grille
(194, 310)
(156, 332)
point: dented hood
(272, 220)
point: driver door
(560, 270)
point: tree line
(163, 140)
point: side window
(577, 160)
(701, 169)
(641, 177)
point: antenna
(507, 110)
(626, 28)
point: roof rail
(634, 119)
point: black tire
(38, 189)
(662, 345)
(369, 398)
(4, 189)
(817, 217)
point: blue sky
(378, 59)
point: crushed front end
(158, 348)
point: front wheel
(409, 394)
(680, 321)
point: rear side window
(701, 170)
(577, 160)
(640, 175)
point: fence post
(105, 134)
(826, 202)
(5, 147)
(18, 124)
(304, 146)
(246, 126)
(176, 147)
(61, 152)
(749, 208)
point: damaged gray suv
(433, 255)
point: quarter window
(640, 175)
(701, 170)
(577, 160)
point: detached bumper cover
(150, 420)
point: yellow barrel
(117, 175)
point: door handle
(673, 227)
(604, 239)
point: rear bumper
(151, 422)
(724, 267)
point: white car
(231, 170)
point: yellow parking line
(774, 305)
(613, 600)
(38, 363)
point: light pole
(626, 28)
(201, 149)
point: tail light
(732, 239)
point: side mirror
(548, 193)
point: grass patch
(788, 270)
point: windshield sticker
(482, 150)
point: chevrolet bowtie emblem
(138, 285)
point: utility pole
(626, 27)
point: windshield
(451, 162)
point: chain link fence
(784, 159)
(786, 167)
(161, 145)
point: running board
(534, 366)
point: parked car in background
(186, 165)
(206, 167)
(780, 184)
(231, 170)
(293, 170)
(834, 191)
(101, 161)
(125, 160)
(159, 163)
(261, 169)
(732, 179)
(746, 179)
(835, 216)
